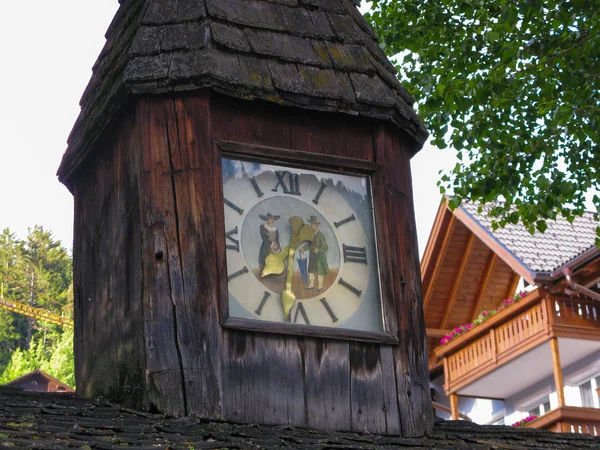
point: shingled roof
(542, 253)
(313, 54)
(58, 421)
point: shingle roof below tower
(542, 252)
(58, 421)
(313, 54)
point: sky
(47, 52)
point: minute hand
(300, 233)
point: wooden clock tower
(245, 245)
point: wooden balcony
(515, 331)
(569, 419)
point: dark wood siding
(333, 384)
(171, 248)
(109, 347)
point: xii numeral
(355, 254)
(290, 182)
(233, 244)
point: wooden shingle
(311, 54)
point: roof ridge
(450, 197)
(541, 253)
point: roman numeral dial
(300, 244)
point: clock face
(300, 246)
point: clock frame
(322, 163)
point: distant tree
(45, 274)
(56, 360)
(35, 271)
(8, 335)
(514, 87)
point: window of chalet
(541, 409)
(589, 393)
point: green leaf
(515, 87)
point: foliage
(514, 88)
(36, 271)
(485, 315)
(56, 360)
(521, 423)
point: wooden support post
(446, 375)
(484, 284)
(454, 406)
(436, 332)
(558, 378)
(512, 289)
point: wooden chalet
(179, 86)
(39, 381)
(539, 356)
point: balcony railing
(515, 330)
(569, 419)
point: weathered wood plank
(162, 283)
(412, 374)
(327, 370)
(125, 241)
(390, 392)
(109, 348)
(198, 330)
(263, 379)
(387, 272)
(251, 123)
(366, 386)
(360, 137)
(314, 135)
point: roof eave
(573, 264)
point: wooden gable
(467, 268)
(462, 275)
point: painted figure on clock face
(317, 264)
(270, 239)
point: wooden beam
(558, 378)
(458, 280)
(438, 263)
(443, 215)
(441, 407)
(436, 332)
(454, 406)
(486, 280)
(495, 245)
(512, 289)
(590, 283)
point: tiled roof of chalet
(58, 421)
(542, 252)
(313, 54)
